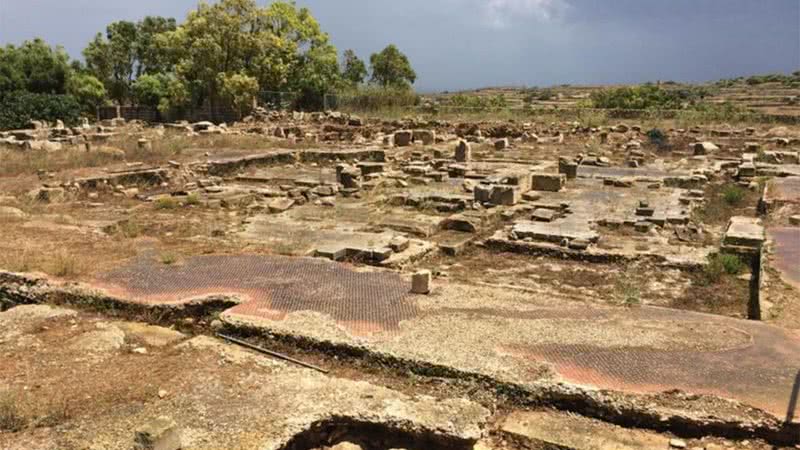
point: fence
(272, 100)
(215, 114)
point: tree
(150, 57)
(241, 90)
(11, 76)
(98, 59)
(391, 67)
(35, 67)
(149, 89)
(126, 51)
(354, 70)
(280, 46)
(87, 90)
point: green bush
(648, 96)
(166, 203)
(733, 194)
(478, 102)
(18, 108)
(731, 263)
(720, 264)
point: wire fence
(280, 100)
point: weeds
(168, 259)
(129, 228)
(17, 415)
(64, 264)
(192, 199)
(733, 194)
(166, 203)
(720, 265)
(628, 292)
(11, 418)
(723, 202)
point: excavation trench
(372, 436)
(619, 409)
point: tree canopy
(35, 67)
(354, 70)
(126, 51)
(280, 46)
(227, 53)
(391, 67)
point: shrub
(719, 265)
(733, 194)
(193, 199)
(168, 259)
(166, 203)
(712, 272)
(18, 108)
(129, 228)
(658, 137)
(627, 289)
(732, 264)
(648, 96)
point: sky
(463, 44)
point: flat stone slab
(214, 395)
(553, 231)
(544, 214)
(744, 232)
(578, 433)
(786, 249)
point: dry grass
(65, 264)
(724, 201)
(20, 411)
(16, 162)
(11, 416)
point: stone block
(568, 168)
(403, 138)
(501, 144)
(704, 148)
(744, 232)
(463, 151)
(504, 195)
(427, 137)
(548, 182)
(421, 282)
(368, 168)
(159, 434)
(399, 244)
(280, 205)
(482, 193)
(747, 170)
(544, 215)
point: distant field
(772, 98)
